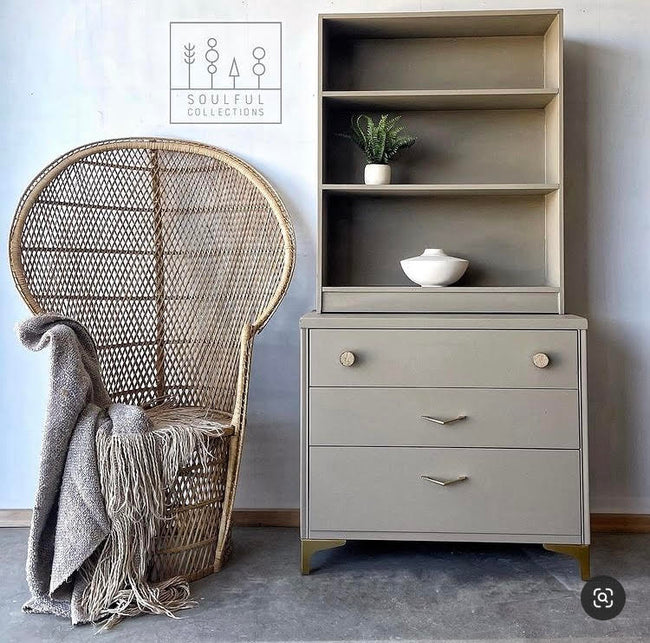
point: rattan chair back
(165, 250)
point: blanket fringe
(164, 598)
(135, 473)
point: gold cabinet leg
(579, 552)
(309, 547)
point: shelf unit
(483, 93)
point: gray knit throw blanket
(101, 490)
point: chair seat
(217, 423)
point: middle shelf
(450, 189)
(442, 99)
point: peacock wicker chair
(174, 255)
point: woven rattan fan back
(165, 250)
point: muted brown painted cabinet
(455, 413)
(444, 428)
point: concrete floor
(369, 592)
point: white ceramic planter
(434, 268)
(377, 174)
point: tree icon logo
(238, 78)
(188, 57)
(212, 55)
(259, 69)
(234, 72)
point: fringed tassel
(166, 598)
(135, 472)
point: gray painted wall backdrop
(81, 70)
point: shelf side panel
(323, 55)
(554, 152)
(553, 54)
(553, 240)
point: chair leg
(580, 552)
(309, 547)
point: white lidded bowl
(434, 268)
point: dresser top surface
(440, 321)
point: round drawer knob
(541, 360)
(347, 358)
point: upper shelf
(441, 24)
(442, 99)
(432, 189)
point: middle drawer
(517, 418)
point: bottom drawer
(507, 491)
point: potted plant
(380, 142)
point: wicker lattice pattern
(173, 255)
(187, 543)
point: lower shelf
(399, 299)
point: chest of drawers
(444, 428)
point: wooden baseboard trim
(240, 517)
(15, 517)
(600, 523)
(620, 523)
(266, 517)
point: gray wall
(76, 71)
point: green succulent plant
(380, 141)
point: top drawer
(440, 358)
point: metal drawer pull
(429, 418)
(445, 483)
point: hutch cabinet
(455, 413)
